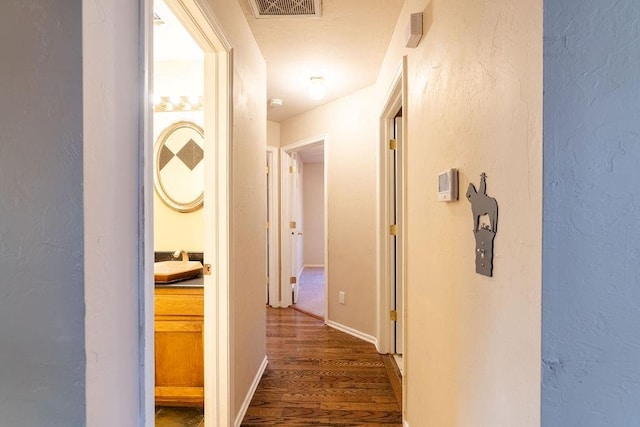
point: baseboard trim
(313, 266)
(405, 423)
(347, 330)
(252, 390)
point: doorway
(304, 227)
(392, 225)
(273, 238)
(212, 157)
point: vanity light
(317, 88)
(177, 103)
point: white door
(291, 226)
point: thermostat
(448, 186)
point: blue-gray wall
(591, 237)
(42, 362)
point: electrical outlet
(341, 297)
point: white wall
(273, 134)
(248, 193)
(474, 103)
(350, 152)
(313, 214)
(111, 91)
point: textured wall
(313, 210)
(474, 103)
(112, 187)
(41, 235)
(350, 154)
(591, 281)
(249, 201)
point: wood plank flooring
(320, 376)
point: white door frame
(200, 22)
(395, 99)
(273, 179)
(285, 252)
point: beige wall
(350, 153)
(313, 214)
(273, 134)
(248, 204)
(177, 230)
(474, 103)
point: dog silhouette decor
(481, 205)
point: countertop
(196, 282)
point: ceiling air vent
(286, 8)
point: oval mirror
(179, 166)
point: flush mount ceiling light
(317, 89)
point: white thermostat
(448, 186)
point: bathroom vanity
(179, 343)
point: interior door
(295, 227)
(291, 227)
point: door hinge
(393, 315)
(393, 230)
(293, 280)
(292, 224)
(267, 280)
(267, 170)
(206, 269)
(393, 144)
(268, 225)
(292, 169)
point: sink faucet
(185, 255)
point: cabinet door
(179, 351)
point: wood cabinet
(179, 346)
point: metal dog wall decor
(482, 204)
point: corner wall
(42, 360)
(474, 103)
(591, 292)
(248, 201)
(112, 187)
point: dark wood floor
(320, 376)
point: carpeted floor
(311, 293)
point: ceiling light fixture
(317, 89)
(177, 103)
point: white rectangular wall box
(414, 32)
(448, 186)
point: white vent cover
(286, 8)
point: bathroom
(178, 169)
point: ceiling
(346, 46)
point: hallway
(320, 376)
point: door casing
(395, 99)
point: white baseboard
(313, 265)
(252, 390)
(405, 423)
(365, 337)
